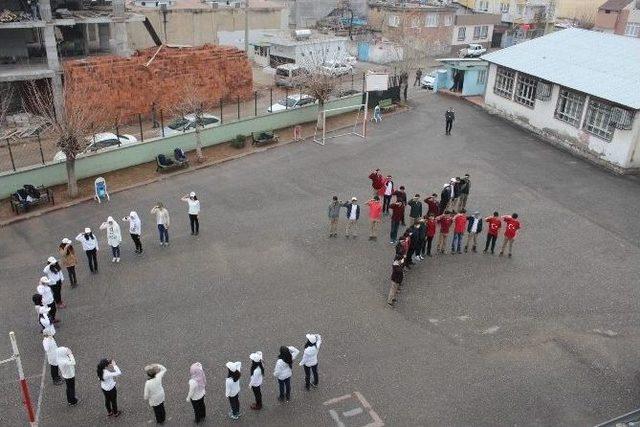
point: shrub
(238, 142)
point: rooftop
(285, 38)
(199, 4)
(567, 58)
(615, 5)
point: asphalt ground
(545, 338)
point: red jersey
(494, 225)
(445, 224)
(460, 223)
(377, 180)
(513, 225)
(431, 227)
(397, 213)
(375, 209)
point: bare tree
(72, 128)
(6, 98)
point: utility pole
(246, 27)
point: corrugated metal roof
(603, 65)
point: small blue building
(463, 76)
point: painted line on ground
(337, 399)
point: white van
(286, 74)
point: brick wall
(126, 88)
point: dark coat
(415, 210)
(350, 206)
(470, 223)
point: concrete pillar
(104, 33)
(53, 61)
(58, 94)
(119, 36)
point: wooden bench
(264, 137)
(386, 104)
(46, 196)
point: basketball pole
(24, 387)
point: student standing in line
(510, 233)
(197, 390)
(397, 275)
(401, 196)
(445, 222)
(353, 214)
(397, 215)
(388, 192)
(464, 189)
(421, 229)
(67, 365)
(107, 371)
(232, 388)
(163, 221)
(257, 375)
(415, 209)
(44, 318)
(474, 227)
(48, 300)
(432, 205)
(310, 359)
(90, 247)
(283, 371)
(135, 229)
(55, 276)
(69, 260)
(114, 237)
(430, 233)
(50, 348)
(492, 231)
(375, 216)
(333, 212)
(194, 211)
(377, 181)
(459, 227)
(154, 392)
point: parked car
(336, 69)
(100, 142)
(290, 102)
(289, 74)
(428, 80)
(474, 50)
(188, 122)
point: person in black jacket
(474, 227)
(449, 117)
(353, 215)
(415, 208)
(464, 186)
(448, 196)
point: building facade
(619, 17)
(472, 27)
(555, 87)
(311, 50)
(306, 13)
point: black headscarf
(102, 365)
(235, 376)
(285, 355)
(255, 365)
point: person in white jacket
(107, 372)
(50, 348)
(45, 291)
(135, 229)
(283, 372)
(53, 270)
(45, 320)
(232, 388)
(163, 221)
(194, 211)
(67, 366)
(90, 245)
(154, 392)
(310, 359)
(197, 385)
(114, 237)
(257, 373)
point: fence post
(24, 387)
(140, 123)
(40, 146)
(221, 120)
(353, 77)
(117, 131)
(286, 98)
(162, 122)
(255, 103)
(363, 81)
(13, 164)
(238, 99)
(270, 99)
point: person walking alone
(474, 227)
(107, 371)
(69, 260)
(154, 392)
(459, 227)
(163, 222)
(232, 388)
(51, 349)
(55, 276)
(197, 385)
(388, 193)
(90, 247)
(397, 275)
(334, 214)
(283, 371)
(257, 375)
(114, 237)
(67, 366)
(353, 215)
(418, 80)
(135, 229)
(449, 117)
(375, 216)
(492, 231)
(309, 360)
(194, 211)
(510, 232)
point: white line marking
(336, 417)
(337, 399)
(353, 412)
(41, 392)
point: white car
(188, 122)
(428, 80)
(290, 102)
(336, 69)
(474, 50)
(100, 142)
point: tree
(6, 97)
(72, 128)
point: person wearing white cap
(283, 371)
(257, 373)
(154, 392)
(50, 348)
(45, 291)
(135, 229)
(69, 260)
(163, 221)
(232, 388)
(310, 359)
(90, 246)
(194, 211)
(353, 214)
(67, 365)
(55, 276)
(114, 237)
(197, 384)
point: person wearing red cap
(513, 225)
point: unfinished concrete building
(306, 13)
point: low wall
(119, 158)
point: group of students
(62, 363)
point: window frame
(393, 21)
(577, 101)
(476, 32)
(464, 34)
(484, 31)
(636, 29)
(600, 111)
(504, 82)
(525, 90)
(431, 20)
(448, 20)
(482, 77)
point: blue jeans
(456, 243)
(285, 388)
(394, 230)
(164, 233)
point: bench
(386, 104)
(264, 137)
(20, 204)
(163, 163)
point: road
(546, 338)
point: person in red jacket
(377, 181)
(494, 223)
(459, 227)
(513, 225)
(397, 215)
(445, 222)
(432, 205)
(431, 232)
(375, 216)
